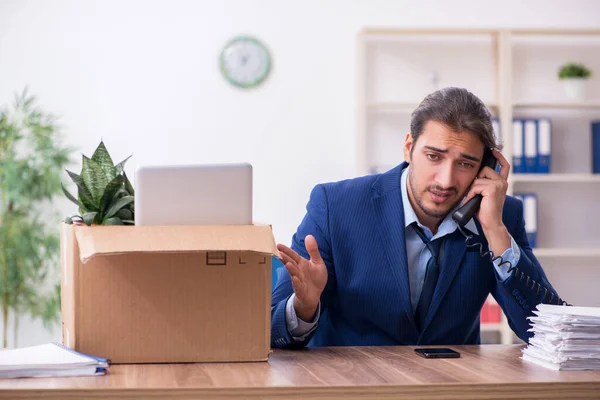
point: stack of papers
(49, 360)
(565, 338)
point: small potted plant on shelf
(574, 77)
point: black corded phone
(468, 210)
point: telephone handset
(468, 210)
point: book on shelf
(49, 360)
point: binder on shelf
(484, 314)
(490, 313)
(596, 147)
(496, 127)
(521, 196)
(544, 144)
(530, 145)
(494, 312)
(530, 215)
(518, 157)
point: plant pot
(575, 88)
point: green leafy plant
(573, 70)
(105, 195)
(31, 164)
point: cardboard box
(148, 294)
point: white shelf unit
(514, 72)
(557, 104)
(492, 326)
(573, 252)
(401, 107)
(557, 178)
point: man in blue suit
(378, 260)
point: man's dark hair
(458, 109)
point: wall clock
(245, 61)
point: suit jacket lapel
(387, 204)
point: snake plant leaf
(111, 190)
(94, 179)
(122, 202)
(70, 196)
(113, 221)
(122, 192)
(89, 217)
(128, 222)
(105, 162)
(128, 185)
(120, 166)
(84, 195)
(124, 214)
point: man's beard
(421, 203)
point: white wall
(143, 76)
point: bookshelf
(492, 326)
(514, 72)
(557, 104)
(557, 178)
(567, 252)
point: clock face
(245, 62)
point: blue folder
(544, 145)
(596, 147)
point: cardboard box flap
(105, 240)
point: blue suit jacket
(359, 227)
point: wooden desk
(491, 372)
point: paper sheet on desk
(564, 338)
(570, 366)
(549, 309)
(570, 321)
(560, 346)
(566, 333)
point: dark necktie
(431, 276)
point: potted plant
(574, 76)
(104, 193)
(31, 161)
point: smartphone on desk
(437, 352)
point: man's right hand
(308, 277)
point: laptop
(204, 194)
